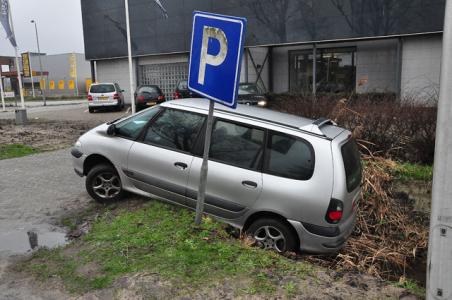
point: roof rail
(316, 126)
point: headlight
(262, 103)
(78, 144)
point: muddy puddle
(22, 241)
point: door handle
(250, 184)
(181, 165)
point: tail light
(116, 96)
(177, 95)
(90, 98)
(140, 98)
(161, 98)
(335, 211)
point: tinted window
(237, 145)
(290, 157)
(183, 85)
(175, 129)
(352, 164)
(148, 90)
(102, 88)
(132, 127)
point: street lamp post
(40, 65)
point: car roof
(321, 127)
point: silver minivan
(102, 95)
(291, 183)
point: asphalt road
(67, 110)
(35, 192)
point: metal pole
(1, 90)
(129, 49)
(16, 50)
(439, 268)
(314, 70)
(31, 76)
(40, 64)
(19, 78)
(205, 166)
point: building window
(335, 73)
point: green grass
(16, 150)
(413, 287)
(407, 171)
(163, 239)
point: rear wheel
(103, 184)
(273, 234)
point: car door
(160, 162)
(234, 180)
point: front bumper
(78, 159)
(319, 244)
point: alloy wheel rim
(270, 238)
(106, 185)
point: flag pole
(129, 49)
(16, 49)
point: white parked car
(103, 95)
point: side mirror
(111, 130)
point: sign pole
(205, 166)
(1, 91)
(31, 75)
(129, 49)
(439, 268)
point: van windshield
(102, 88)
(352, 164)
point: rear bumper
(314, 243)
(103, 103)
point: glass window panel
(175, 129)
(237, 145)
(132, 127)
(290, 157)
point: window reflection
(335, 70)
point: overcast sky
(59, 25)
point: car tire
(103, 184)
(273, 234)
(91, 110)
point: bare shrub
(401, 131)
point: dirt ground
(43, 135)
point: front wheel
(91, 110)
(103, 184)
(273, 234)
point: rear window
(183, 85)
(102, 88)
(352, 164)
(248, 89)
(148, 90)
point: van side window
(237, 145)
(289, 157)
(131, 128)
(175, 129)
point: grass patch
(413, 287)
(407, 171)
(162, 239)
(16, 150)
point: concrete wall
(421, 68)
(116, 71)
(250, 73)
(376, 66)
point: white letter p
(213, 60)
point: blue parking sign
(216, 56)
